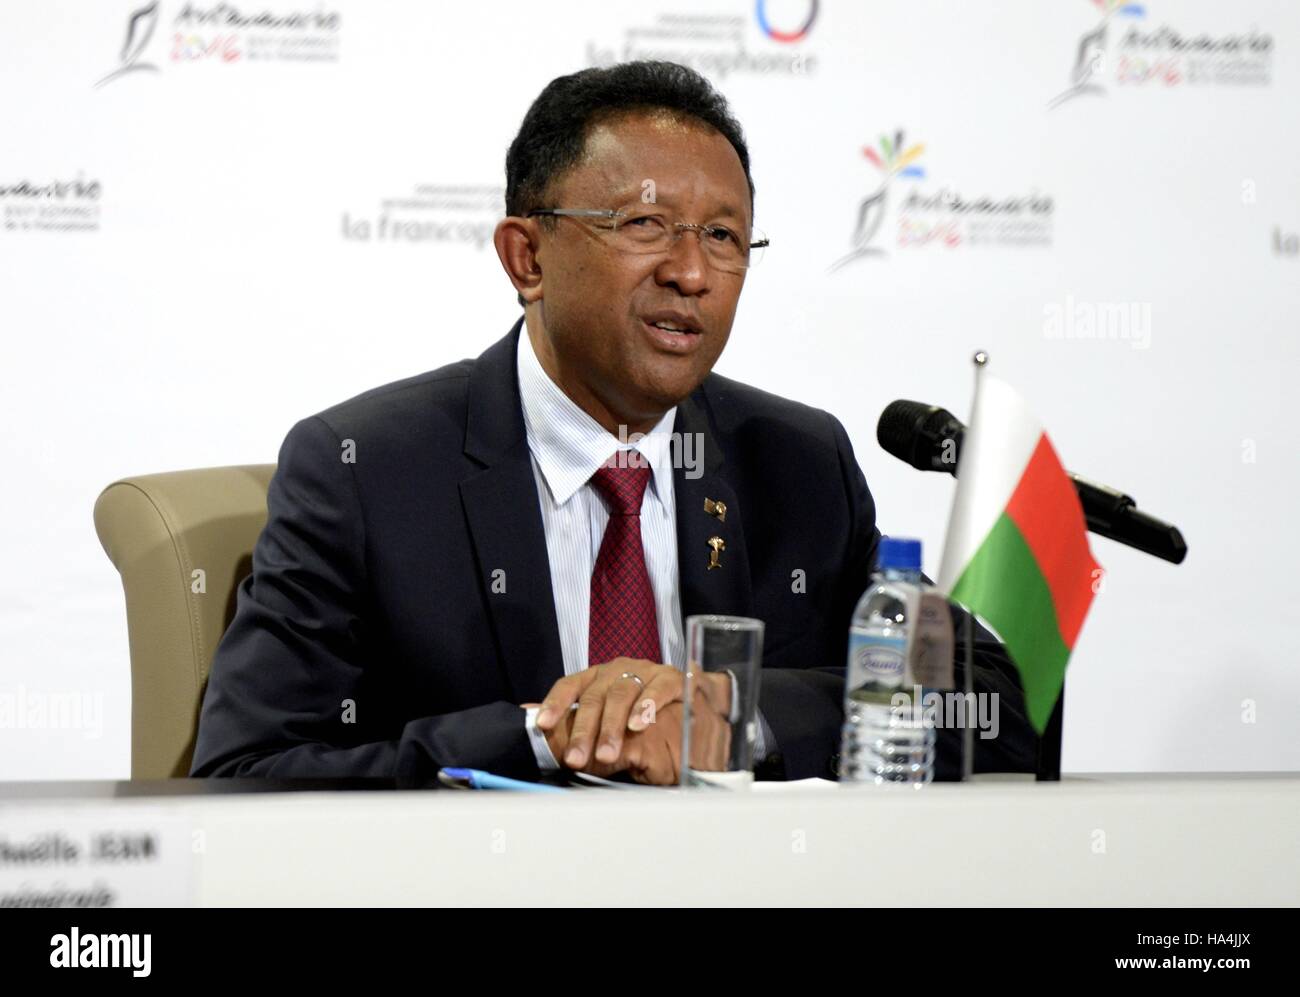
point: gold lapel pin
(718, 509)
(716, 546)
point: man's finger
(623, 693)
(664, 688)
(563, 694)
(658, 765)
(586, 721)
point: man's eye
(644, 221)
(722, 235)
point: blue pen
(478, 779)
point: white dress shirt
(567, 447)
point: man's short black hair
(554, 132)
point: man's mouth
(670, 327)
(674, 335)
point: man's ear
(516, 243)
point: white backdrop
(276, 206)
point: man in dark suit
(452, 561)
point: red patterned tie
(622, 621)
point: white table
(1088, 840)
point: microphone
(929, 438)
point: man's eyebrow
(730, 210)
(726, 210)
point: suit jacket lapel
(723, 590)
(505, 524)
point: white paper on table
(793, 785)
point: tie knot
(623, 486)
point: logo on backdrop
(776, 34)
(51, 206)
(772, 41)
(224, 34)
(139, 30)
(1285, 243)
(892, 160)
(463, 215)
(943, 217)
(1124, 50)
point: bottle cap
(900, 553)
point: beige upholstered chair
(182, 542)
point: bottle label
(877, 661)
(932, 655)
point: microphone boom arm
(929, 438)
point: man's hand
(653, 756)
(606, 700)
(557, 739)
(651, 750)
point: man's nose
(686, 264)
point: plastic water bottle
(881, 744)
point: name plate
(97, 857)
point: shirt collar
(568, 444)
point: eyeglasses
(651, 234)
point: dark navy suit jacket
(371, 640)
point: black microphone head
(897, 429)
(925, 436)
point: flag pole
(980, 359)
(968, 734)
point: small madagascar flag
(1017, 552)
